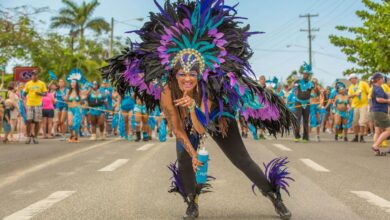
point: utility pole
(111, 37)
(309, 31)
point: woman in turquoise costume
(341, 115)
(316, 99)
(73, 99)
(98, 104)
(193, 62)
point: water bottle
(201, 173)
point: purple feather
(176, 184)
(277, 174)
(163, 12)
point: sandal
(378, 152)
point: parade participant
(127, 107)
(14, 114)
(341, 104)
(358, 92)
(22, 119)
(61, 108)
(34, 90)
(326, 118)
(97, 103)
(73, 98)
(194, 59)
(141, 118)
(380, 104)
(302, 103)
(315, 107)
(48, 102)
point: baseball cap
(377, 75)
(352, 76)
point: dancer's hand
(184, 102)
(196, 163)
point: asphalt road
(116, 179)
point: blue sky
(278, 18)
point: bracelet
(192, 107)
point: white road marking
(145, 147)
(40, 206)
(115, 165)
(19, 174)
(315, 166)
(282, 147)
(373, 199)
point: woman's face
(342, 91)
(73, 85)
(187, 81)
(61, 83)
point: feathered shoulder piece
(206, 36)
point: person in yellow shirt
(34, 90)
(358, 93)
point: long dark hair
(77, 89)
(176, 92)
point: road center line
(115, 165)
(40, 206)
(373, 199)
(315, 166)
(17, 175)
(145, 147)
(282, 147)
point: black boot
(280, 208)
(138, 136)
(192, 211)
(362, 139)
(336, 137)
(356, 139)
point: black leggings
(302, 114)
(234, 148)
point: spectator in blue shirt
(380, 102)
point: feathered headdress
(205, 36)
(307, 68)
(77, 75)
(52, 75)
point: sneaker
(345, 139)
(35, 140)
(103, 137)
(304, 141)
(93, 137)
(318, 138)
(328, 131)
(362, 140)
(356, 139)
(261, 137)
(29, 140)
(370, 135)
(280, 208)
(192, 211)
(336, 137)
(296, 139)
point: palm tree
(78, 18)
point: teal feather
(186, 41)
(202, 43)
(217, 24)
(213, 58)
(208, 47)
(178, 43)
(195, 38)
(173, 50)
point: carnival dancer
(73, 99)
(302, 103)
(341, 115)
(194, 59)
(97, 103)
(316, 97)
(61, 108)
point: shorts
(360, 116)
(96, 111)
(6, 127)
(62, 108)
(381, 120)
(127, 104)
(342, 114)
(34, 113)
(140, 108)
(48, 113)
(14, 114)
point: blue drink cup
(201, 173)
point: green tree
(369, 47)
(78, 18)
